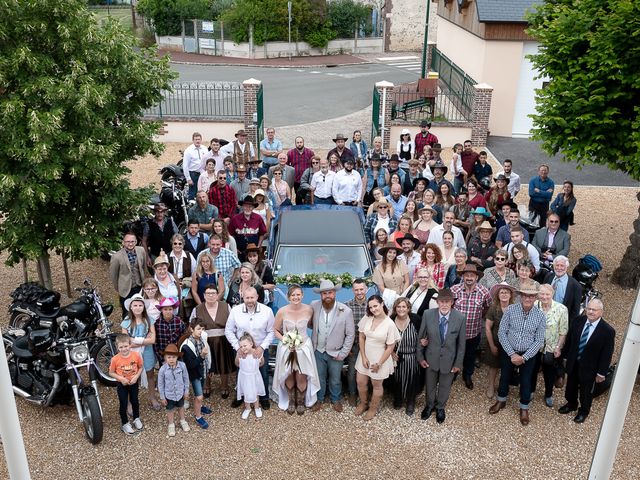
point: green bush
(344, 15)
(320, 38)
(167, 15)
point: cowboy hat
(513, 205)
(428, 207)
(134, 298)
(529, 288)
(241, 167)
(445, 295)
(240, 133)
(160, 259)
(405, 131)
(172, 349)
(389, 246)
(439, 165)
(502, 177)
(340, 136)
(408, 236)
(259, 191)
(252, 247)
(500, 286)
(420, 179)
(254, 181)
(248, 199)
(486, 226)
(394, 158)
(471, 268)
(167, 302)
(327, 286)
(424, 123)
(480, 211)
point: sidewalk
(282, 62)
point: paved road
(527, 155)
(305, 95)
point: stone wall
(406, 25)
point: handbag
(548, 359)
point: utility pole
(425, 67)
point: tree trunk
(627, 275)
(44, 271)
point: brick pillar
(251, 88)
(386, 104)
(480, 114)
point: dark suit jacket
(572, 295)
(441, 357)
(597, 354)
(561, 242)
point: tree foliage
(167, 15)
(71, 98)
(347, 15)
(590, 110)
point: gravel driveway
(470, 444)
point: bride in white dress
(296, 384)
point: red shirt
(245, 230)
(469, 159)
(223, 198)
(299, 161)
(420, 141)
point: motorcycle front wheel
(92, 418)
(102, 352)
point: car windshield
(319, 259)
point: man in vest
(240, 149)
(195, 241)
(157, 233)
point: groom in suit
(444, 331)
(588, 350)
(333, 335)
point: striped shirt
(472, 305)
(522, 331)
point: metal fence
(454, 81)
(440, 104)
(204, 100)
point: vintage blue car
(318, 239)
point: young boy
(173, 387)
(126, 367)
(197, 358)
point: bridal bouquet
(293, 340)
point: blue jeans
(328, 366)
(193, 189)
(458, 183)
(264, 372)
(526, 378)
(351, 369)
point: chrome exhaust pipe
(27, 396)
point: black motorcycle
(35, 307)
(46, 366)
(586, 273)
(172, 194)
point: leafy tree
(590, 111)
(345, 15)
(167, 15)
(71, 99)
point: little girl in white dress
(250, 384)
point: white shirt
(178, 262)
(383, 222)
(259, 324)
(435, 236)
(514, 182)
(412, 262)
(323, 183)
(192, 159)
(347, 187)
(456, 165)
(227, 150)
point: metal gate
(375, 115)
(189, 37)
(259, 117)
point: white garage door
(525, 101)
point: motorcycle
(586, 273)
(35, 307)
(172, 194)
(45, 366)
